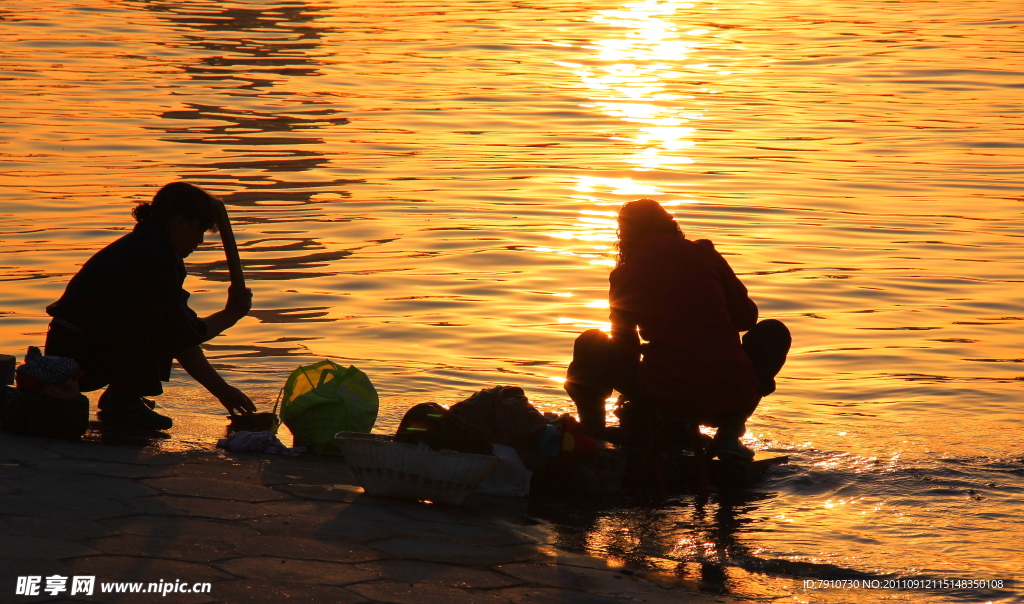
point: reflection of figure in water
(689, 307)
(698, 544)
(124, 317)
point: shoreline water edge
(130, 511)
(259, 527)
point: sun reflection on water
(627, 79)
(631, 82)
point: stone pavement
(263, 528)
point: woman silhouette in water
(689, 308)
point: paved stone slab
(136, 598)
(591, 580)
(20, 546)
(10, 468)
(15, 448)
(129, 514)
(675, 596)
(408, 593)
(493, 513)
(562, 557)
(98, 468)
(101, 452)
(187, 549)
(378, 509)
(527, 552)
(292, 474)
(170, 505)
(464, 533)
(341, 493)
(340, 529)
(312, 572)
(309, 469)
(552, 595)
(53, 528)
(331, 510)
(455, 553)
(248, 591)
(546, 574)
(84, 508)
(133, 568)
(317, 509)
(218, 465)
(430, 512)
(302, 548)
(412, 571)
(178, 527)
(271, 478)
(60, 485)
(214, 489)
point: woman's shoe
(131, 413)
(727, 442)
(733, 449)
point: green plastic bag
(324, 398)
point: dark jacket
(690, 308)
(129, 296)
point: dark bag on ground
(37, 414)
(501, 415)
(438, 428)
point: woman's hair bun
(178, 199)
(144, 211)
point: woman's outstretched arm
(239, 304)
(198, 366)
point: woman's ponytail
(178, 199)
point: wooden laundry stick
(227, 237)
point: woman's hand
(198, 366)
(234, 400)
(239, 302)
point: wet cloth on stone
(39, 370)
(265, 442)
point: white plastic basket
(389, 469)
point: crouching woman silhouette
(689, 307)
(125, 317)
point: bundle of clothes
(500, 421)
(46, 400)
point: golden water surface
(429, 193)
